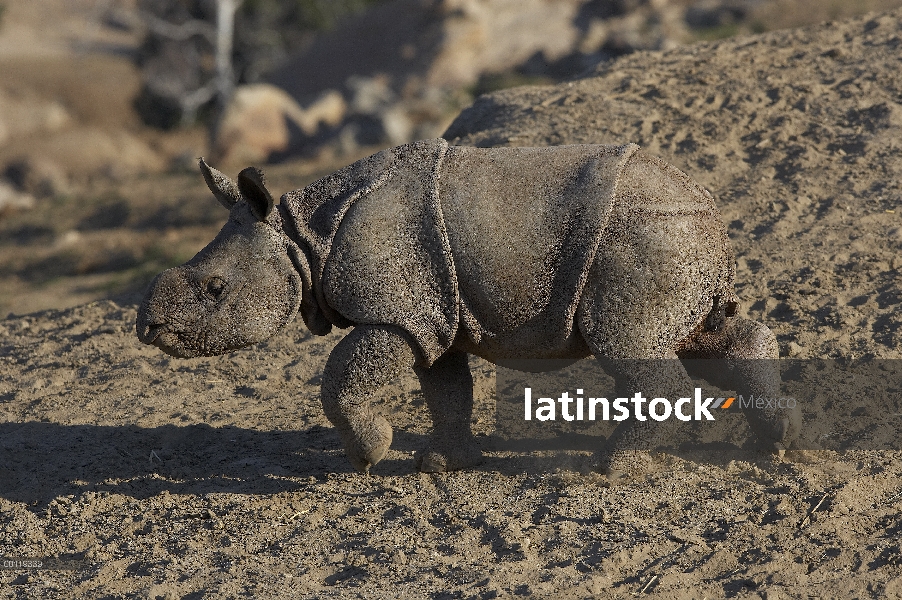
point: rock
(369, 95)
(23, 115)
(402, 63)
(258, 123)
(375, 113)
(485, 37)
(38, 176)
(397, 127)
(12, 200)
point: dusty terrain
(220, 477)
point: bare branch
(192, 101)
(225, 33)
(180, 31)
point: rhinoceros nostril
(151, 331)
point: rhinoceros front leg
(448, 389)
(747, 351)
(361, 363)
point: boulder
(12, 199)
(262, 120)
(444, 43)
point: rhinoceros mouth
(161, 336)
(169, 342)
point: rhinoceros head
(239, 290)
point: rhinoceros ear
(253, 189)
(222, 187)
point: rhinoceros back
(491, 249)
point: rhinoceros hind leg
(636, 355)
(448, 389)
(627, 452)
(361, 363)
(746, 353)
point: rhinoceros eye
(214, 287)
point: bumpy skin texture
(432, 252)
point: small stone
(12, 200)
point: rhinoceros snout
(157, 332)
(151, 323)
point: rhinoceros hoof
(778, 432)
(621, 465)
(434, 460)
(368, 441)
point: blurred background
(105, 105)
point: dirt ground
(220, 477)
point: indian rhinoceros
(431, 252)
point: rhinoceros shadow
(40, 461)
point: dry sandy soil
(220, 477)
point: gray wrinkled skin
(431, 252)
(239, 290)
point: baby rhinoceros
(431, 252)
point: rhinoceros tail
(723, 307)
